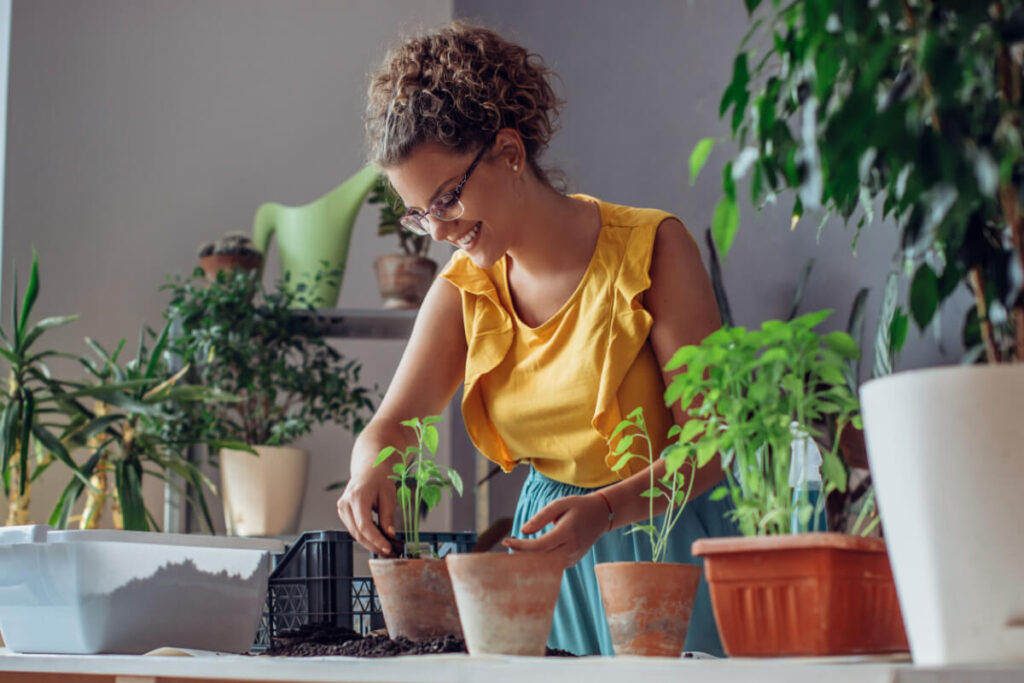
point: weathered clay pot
(506, 601)
(648, 605)
(214, 263)
(404, 279)
(416, 598)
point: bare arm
(682, 305)
(431, 369)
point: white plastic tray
(128, 592)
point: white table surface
(458, 668)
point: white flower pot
(263, 495)
(946, 448)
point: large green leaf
(9, 432)
(31, 293)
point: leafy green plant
(265, 348)
(32, 399)
(134, 429)
(674, 486)
(911, 105)
(749, 395)
(416, 466)
(391, 210)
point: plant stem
(978, 285)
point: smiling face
(432, 170)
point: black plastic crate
(312, 583)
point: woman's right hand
(368, 491)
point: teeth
(469, 236)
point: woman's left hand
(578, 522)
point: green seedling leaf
(384, 455)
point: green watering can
(318, 232)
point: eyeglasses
(448, 207)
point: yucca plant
(134, 429)
(32, 396)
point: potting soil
(327, 641)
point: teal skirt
(579, 624)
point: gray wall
(642, 81)
(139, 129)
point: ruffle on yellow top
(560, 385)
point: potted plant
(135, 428)
(915, 108)
(31, 398)
(755, 397)
(403, 278)
(414, 588)
(251, 343)
(233, 251)
(648, 604)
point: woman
(557, 312)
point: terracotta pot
(648, 605)
(803, 594)
(416, 598)
(506, 601)
(404, 279)
(214, 263)
(263, 494)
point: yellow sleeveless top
(552, 395)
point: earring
(515, 167)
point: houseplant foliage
(414, 588)
(750, 394)
(32, 399)
(910, 106)
(134, 431)
(265, 348)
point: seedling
(675, 485)
(428, 479)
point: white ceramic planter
(263, 495)
(946, 448)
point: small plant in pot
(415, 591)
(234, 251)
(648, 604)
(755, 397)
(251, 343)
(403, 278)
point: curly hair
(458, 86)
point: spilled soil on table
(329, 641)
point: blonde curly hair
(458, 86)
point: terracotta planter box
(803, 595)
